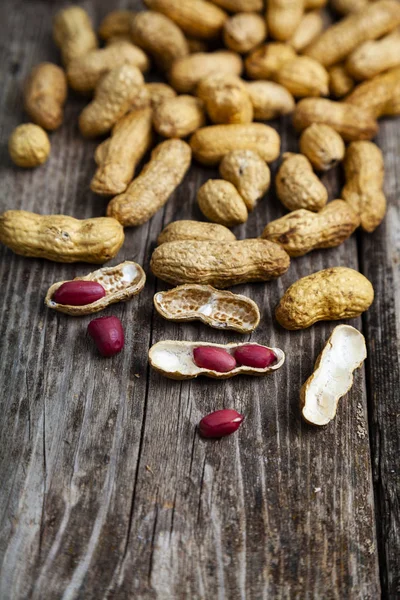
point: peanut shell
(158, 92)
(45, 95)
(197, 18)
(178, 117)
(265, 62)
(322, 145)
(195, 230)
(237, 6)
(244, 31)
(220, 202)
(221, 310)
(186, 72)
(270, 100)
(120, 283)
(340, 82)
(380, 95)
(116, 23)
(226, 99)
(304, 77)
(283, 18)
(73, 33)
(375, 57)
(29, 145)
(297, 185)
(307, 30)
(249, 174)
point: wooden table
(107, 491)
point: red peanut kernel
(108, 335)
(253, 355)
(213, 359)
(79, 293)
(220, 423)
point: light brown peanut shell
(29, 145)
(142, 99)
(265, 62)
(120, 283)
(336, 42)
(221, 310)
(119, 155)
(159, 36)
(151, 189)
(117, 39)
(238, 6)
(195, 45)
(220, 265)
(352, 122)
(270, 100)
(175, 360)
(195, 230)
(322, 145)
(220, 202)
(283, 18)
(304, 77)
(297, 185)
(375, 57)
(159, 92)
(301, 231)
(307, 30)
(73, 33)
(186, 72)
(328, 295)
(312, 4)
(244, 32)
(211, 144)
(178, 117)
(346, 7)
(113, 98)
(226, 99)
(340, 82)
(85, 72)
(61, 238)
(45, 94)
(197, 18)
(249, 174)
(116, 23)
(364, 171)
(380, 95)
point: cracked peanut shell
(195, 230)
(297, 186)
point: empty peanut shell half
(175, 360)
(120, 283)
(222, 310)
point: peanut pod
(226, 99)
(116, 23)
(265, 62)
(310, 26)
(297, 186)
(270, 100)
(186, 72)
(304, 77)
(195, 230)
(322, 145)
(29, 145)
(283, 18)
(374, 57)
(340, 82)
(238, 6)
(220, 202)
(244, 31)
(178, 117)
(249, 174)
(45, 94)
(380, 95)
(73, 33)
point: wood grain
(107, 491)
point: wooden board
(107, 491)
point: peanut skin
(380, 96)
(220, 265)
(322, 145)
(328, 295)
(364, 172)
(178, 117)
(220, 202)
(304, 77)
(195, 230)
(151, 189)
(186, 72)
(197, 18)
(73, 33)
(297, 185)
(302, 231)
(45, 94)
(61, 238)
(120, 154)
(249, 174)
(244, 31)
(270, 100)
(29, 145)
(283, 18)
(265, 62)
(211, 144)
(226, 99)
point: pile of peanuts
(292, 63)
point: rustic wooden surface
(106, 489)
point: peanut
(61, 238)
(195, 45)
(211, 144)
(73, 33)
(283, 18)
(380, 96)
(108, 335)
(150, 191)
(312, 4)
(213, 359)
(29, 145)
(116, 23)
(352, 122)
(322, 145)
(226, 99)
(307, 30)
(197, 18)
(186, 72)
(364, 172)
(120, 154)
(45, 94)
(117, 38)
(195, 230)
(142, 99)
(78, 293)
(220, 265)
(334, 44)
(297, 186)
(270, 100)
(220, 202)
(220, 423)
(159, 92)
(340, 82)
(265, 62)
(85, 72)
(178, 117)
(248, 173)
(345, 7)
(237, 6)
(303, 77)
(374, 57)
(113, 97)
(244, 32)
(301, 231)
(328, 295)
(159, 36)
(254, 355)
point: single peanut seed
(220, 423)
(108, 335)
(79, 293)
(253, 355)
(214, 359)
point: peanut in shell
(188, 71)
(244, 31)
(265, 62)
(45, 94)
(195, 230)
(226, 99)
(178, 117)
(220, 202)
(270, 100)
(297, 186)
(322, 145)
(249, 174)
